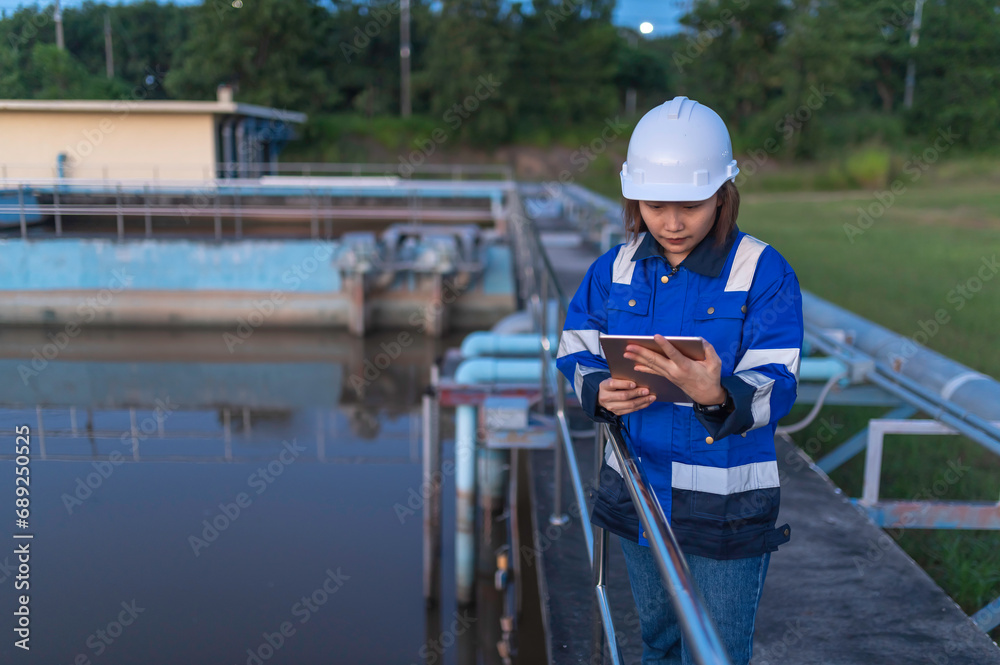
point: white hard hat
(679, 151)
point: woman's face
(679, 225)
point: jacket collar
(705, 259)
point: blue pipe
(523, 321)
(473, 371)
(465, 502)
(485, 343)
(499, 370)
(820, 369)
(388, 191)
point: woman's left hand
(698, 378)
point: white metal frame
(877, 429)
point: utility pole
(911, 67)
(109, 52)
(57, 16)
(404, 58)
(633, 41)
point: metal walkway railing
(140, 204)
(210, 171)
(539, 285)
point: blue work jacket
(715, 475)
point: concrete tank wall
(82, 263)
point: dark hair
(725, 214)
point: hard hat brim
(671, 191)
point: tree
(644, 68)
(566, 63)
(467, 72)
(725, 56)
(145, 36)
(268, 51)
(360, 45)
(958, 73)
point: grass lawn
(933, 237)
(905, 267)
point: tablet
(622, 368)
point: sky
(663, 14)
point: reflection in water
(238, 506)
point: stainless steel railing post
(603, 629)
(58, 210)
(20, 207)
(432, 488)
(544, 327)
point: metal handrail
(699, 629)
(147, 201)
(453, 171)
(702, 636)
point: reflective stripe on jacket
(716, 477)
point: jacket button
(711, 310)
(643, 534)
(631, 303)
(709, 439)
(743, 309)
(664, 279)
(785, 532)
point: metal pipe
(988, 618)
(218, 218)
(543, 325)
(701, 636)
(119, 217)
(147, 217)
(976, 393)
(495, 370)
(558, 517)
(239, 214)
(483, 343)
(604, 631)
(514, 524)
(574, 473)
(465, 506)
(821, 369)
(432, 521)
(491, 479)
(272, 212)
(20, 207)
(828, 345)
(937, 409)
(55, 201)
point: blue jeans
(731, 589)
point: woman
(686, 269)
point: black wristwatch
(715, 408)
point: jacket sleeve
(580, 357)
(764, 383)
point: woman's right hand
(620, 396)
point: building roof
(222, 106)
